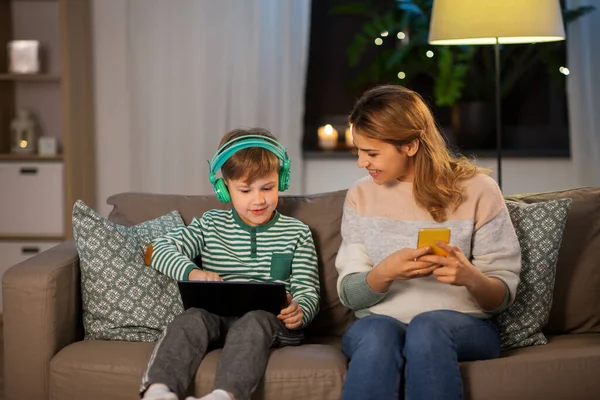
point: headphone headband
(244, 142)
(237, 144)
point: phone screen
(428, 237)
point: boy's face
(255, 202)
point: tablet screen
(233, 299)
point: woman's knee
(427, 329)
(375, 334)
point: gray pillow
(122, 298)
(539, 228)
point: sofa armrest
(42, 314)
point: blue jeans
(422, 357)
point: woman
(419, 314)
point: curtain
(172, 77)
(583, 92)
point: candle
(328, 137)
(349, 139)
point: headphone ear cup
(221, 191)
(284, 178)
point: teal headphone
(244, 142)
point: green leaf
(450, 79)
(357, 49)
(352, 9)
(409, 6)
(575, 13)
(370, 29)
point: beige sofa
(45, 357)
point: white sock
(159, 391)
(217, 394)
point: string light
(384, 33)
(401, 75)
(379, 41)
(401, 35)
(429, 54)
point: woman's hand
(457, 270)
(454, 269)
(200, 275)
(292, 315)
(401, 265)
(407, 264)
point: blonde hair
(251, 163)
(396, 115)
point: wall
(518, 175)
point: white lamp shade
(455, 22)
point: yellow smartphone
(428, 237)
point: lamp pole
(498, 111)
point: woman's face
(386, 162)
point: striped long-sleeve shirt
(279, 251)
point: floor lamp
(479, 22)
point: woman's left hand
(455, 269)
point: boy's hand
(292, 315)
(148, 254)
(199, 275)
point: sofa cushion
(122, 298)
(565, 368)
(322, 213)
(576, 301)
(539, 228)
(307, 372)
(114, 369)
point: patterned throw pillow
(539, 227)
(122, 298)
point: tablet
(233, 299)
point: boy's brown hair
(252, 163)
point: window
(534, 107)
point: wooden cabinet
(37, 193)
(33, 204)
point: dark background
(534, 114)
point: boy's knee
(256, 320)
(191, 317)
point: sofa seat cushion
(97, 369)
(565, 368)
(113, 369)
(308, 372)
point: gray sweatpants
(246, 343)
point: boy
(251, 242)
